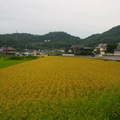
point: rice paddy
(60, 88)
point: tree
(111, 47)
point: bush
(13, 58)
(55, 54)
(21, 57)
(83, 52)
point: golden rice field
(60, 88)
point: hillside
(110, 37)
(58, 40)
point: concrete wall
(68, 55)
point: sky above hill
(76, 17)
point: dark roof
(9, 49)
(102, 45)
(77, 46)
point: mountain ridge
(112, 36)
(58, 39)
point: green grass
(22, 57)
(6, 63)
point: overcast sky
(76, 17)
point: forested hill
(58, 40)
(111, 36)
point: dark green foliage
(109, 37)
(21, 57)
(58, 40)
(84, 52)
(55, 54)
(14, 58)
(111, 47)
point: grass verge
(13, 60)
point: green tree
(111, 47)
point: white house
(27, 53)
(101, 49)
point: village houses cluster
(101, 49)
(9, 51)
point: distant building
(35, 52)
(79, 48)
(58, 51)
(76, 48)
(27, 54)
(7, 51)
(117, 51)
(101, 49)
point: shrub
(21, 57)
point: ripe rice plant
(60, 88)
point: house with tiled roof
(7, 51)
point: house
(76, 48)
(117, 51)
(58, 51)
(27, 54)
(7, 51)
(101, 49)
(35, 52)
(79, 48)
